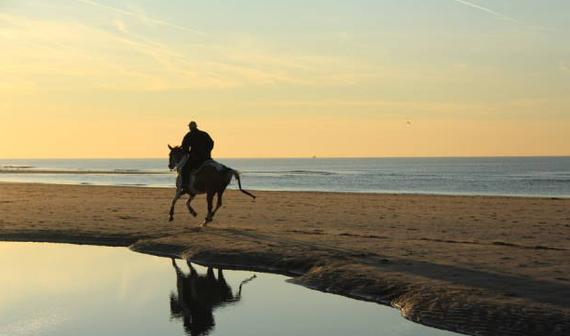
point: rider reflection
(198, 296)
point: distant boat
(314, 156)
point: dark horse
(210, 179)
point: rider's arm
(186, 142)
(210, 142)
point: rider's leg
(185, 177)
(186, 171)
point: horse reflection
(198, 296)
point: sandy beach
(476, 265)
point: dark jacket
(199, 144)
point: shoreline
(437, 258)
(231, 187)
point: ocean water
(510, 176)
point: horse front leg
(192, 212)
(176, 197)
(209, 198)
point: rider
(199, 144)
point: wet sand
(476, 265)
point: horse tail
(236, 175)
(238, 296)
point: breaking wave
(290, 172)
(32, 170)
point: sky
(360, 78)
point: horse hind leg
(192, 211)
(209, 199)
(218, 202)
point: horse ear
(170, 147)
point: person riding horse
(199, 145)
(198, 173)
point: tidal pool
(59, 289)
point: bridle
(179, 158)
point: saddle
(209, 163)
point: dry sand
(476, 265)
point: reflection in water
(198, 296)
(132, 297)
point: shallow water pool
(59, 289)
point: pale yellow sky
(84, 78)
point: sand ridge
(477, 265)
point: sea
(504, 176)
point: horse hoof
(170, 219)
(194, 214)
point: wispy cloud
(141, 17)
(54, 54)
(487, 10)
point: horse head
(176, 154)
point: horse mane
(176, 148)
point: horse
(212, 178)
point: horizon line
(301, 157)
